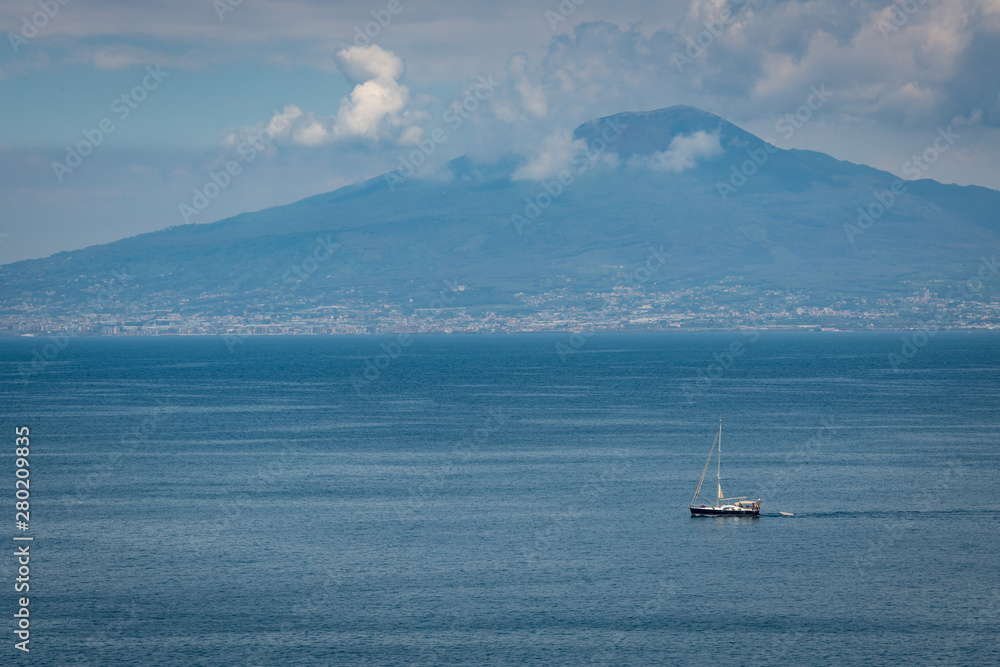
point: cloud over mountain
(897, 71)
(685, 151)
(376, 109)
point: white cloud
(378, 98)
(555, 155)
(684, 152)
(312, 134)
(893, 88)
(374, 111)
(364, 63)
(371, 105)
(531, 95)
(411, 135)
(282, 126)
(760, 68)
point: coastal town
(459, 308)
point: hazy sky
(114, 113)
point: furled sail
(720, 491)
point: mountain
(723, 209)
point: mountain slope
(784, 228)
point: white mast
(718, 471)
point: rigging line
(697, 491)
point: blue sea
(519, 499)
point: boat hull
(719, 511)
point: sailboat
(723, 506)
